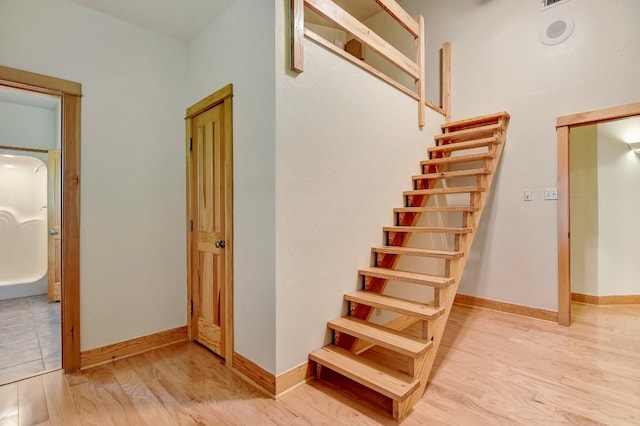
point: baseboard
(256, 374)
(102, 355)
(629, 299)
(291, 379)
(272, 385)
(525, 311)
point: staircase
(442, 212)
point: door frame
(563, 127)
(70, 93)
(223, 96)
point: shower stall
(23, 225)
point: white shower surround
(23, 220)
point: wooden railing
(414, 68)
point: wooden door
(210, 225)
(54, 275)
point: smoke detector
(556, 31)
(546, 4)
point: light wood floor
(493, 369)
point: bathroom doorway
(30, 321)
(68, 119)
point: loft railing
(414, 68)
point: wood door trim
(563, 126)
(38, 82)
(70, 92)
(223, 96)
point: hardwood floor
(493, 369)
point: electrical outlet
(550, 194)
(528, 195)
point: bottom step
(392, 384)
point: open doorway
(565, 125)
(69, 94)
(30, 322)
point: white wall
(238, 47)
(584, 209)
(132, 266)
(618, 204)
(499, 64)
(347, 146)
(28, 126)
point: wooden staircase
(395, 359)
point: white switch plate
(528, 196)
(551, 194)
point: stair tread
(454, 173)
(382, 336)
(476, 120)
(410, 277)
(456, 146)
(390, 383)
(458, 159)
(434, 229)
(436, 209)
(394, 304)
(450, 190)
(410, 251)
(470, 133)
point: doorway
(70, 93)
(210, 223)
(564, 126)
(30, 329)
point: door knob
(53, 232)
(220, 244)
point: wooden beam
(420, 59)
(329, 10)
(401, 16)
(296, 18)
(446, 81)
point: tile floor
(29, 337)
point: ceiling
(181, 20)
